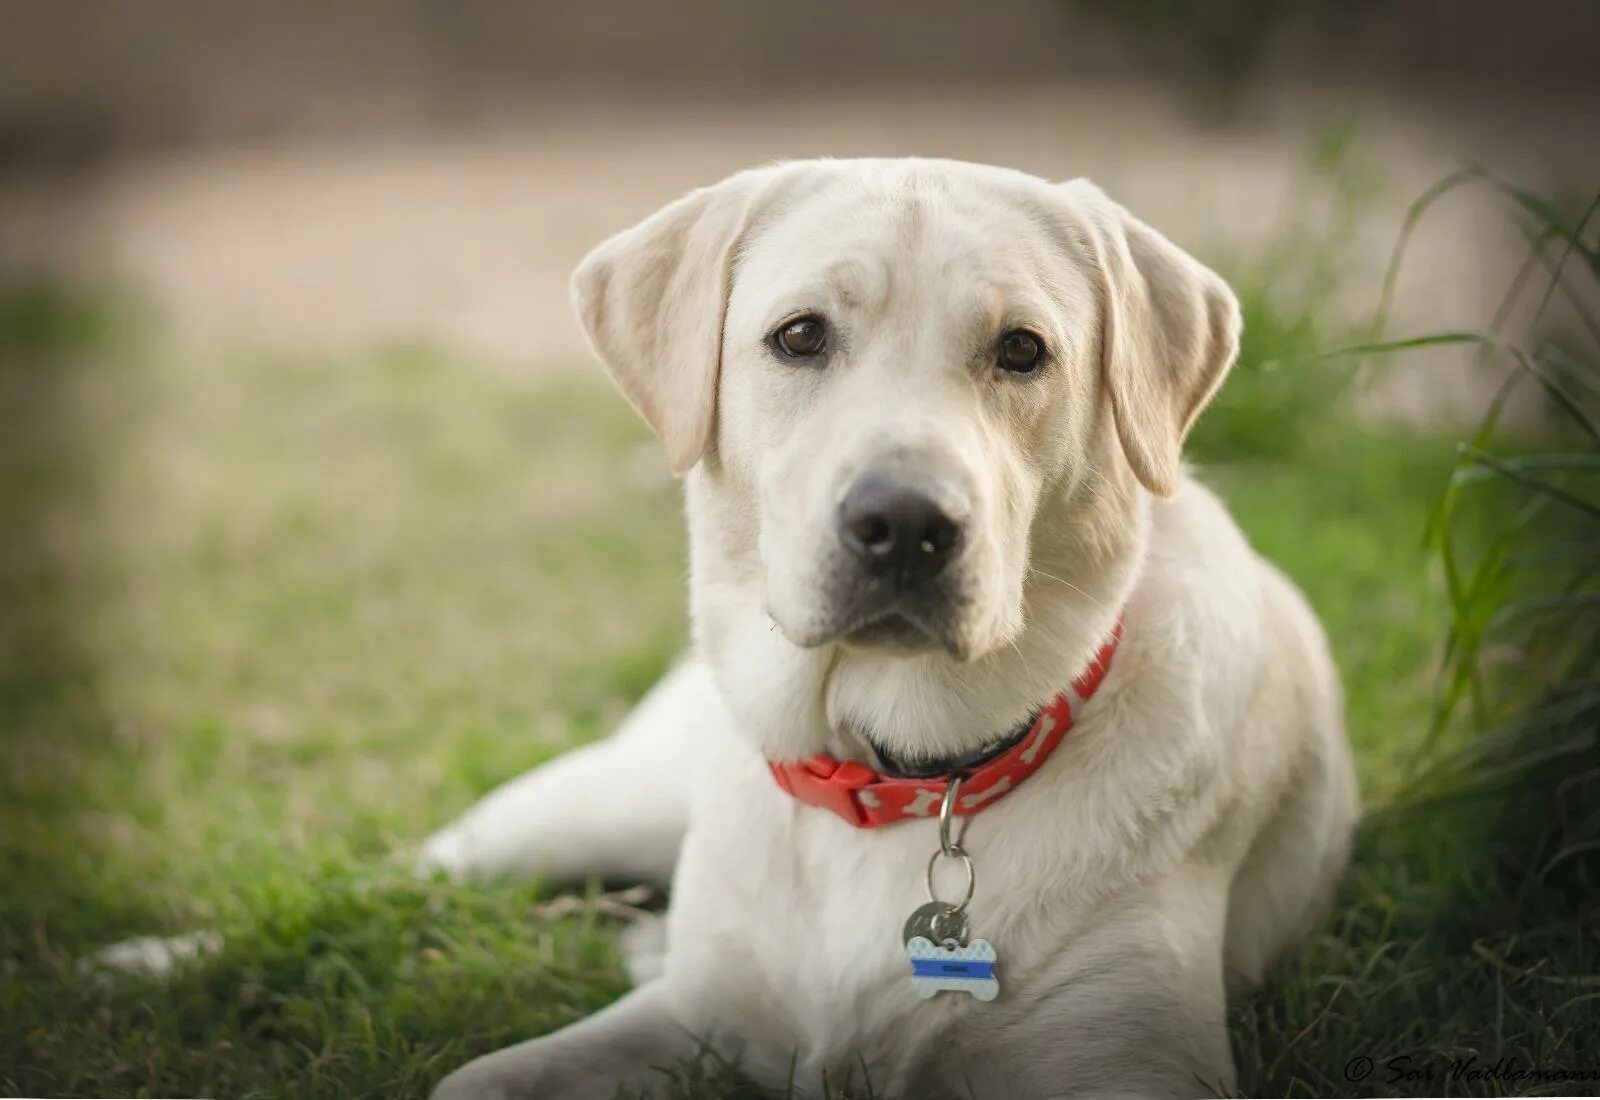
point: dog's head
(890, 373)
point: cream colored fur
(1192, 824)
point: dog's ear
(652, 300)
(1170, 331)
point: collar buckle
(828, 783)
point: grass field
(270, 619)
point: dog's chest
(800, 919)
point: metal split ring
(947, 811)
(956, 852)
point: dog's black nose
(896, 529)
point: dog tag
(950, 967)
(936, 933)
(952, 923)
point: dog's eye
(1020, 351)
(802, 338)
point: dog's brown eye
(802, 338)
(1020, 351)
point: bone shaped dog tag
(951, 966)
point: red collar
(867, 799)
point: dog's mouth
(874, 616)
(895, 631)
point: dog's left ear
(1170, 331)
(652, 300)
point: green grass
(1466, 957)
(269, 620)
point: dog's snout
(895, 528)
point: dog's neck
(849, 702)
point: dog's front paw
(151, 956)
(446, 852)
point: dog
(1000, 757)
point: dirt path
(464, 240)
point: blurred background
(317, 519)
(302, 173)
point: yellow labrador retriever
(1000, 754)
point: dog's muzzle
(899, 536)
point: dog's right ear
(652, 300)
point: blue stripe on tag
(952, 968)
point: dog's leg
(1287, 882)
(1132, 1007)
(616, 809)
(618, 1047)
